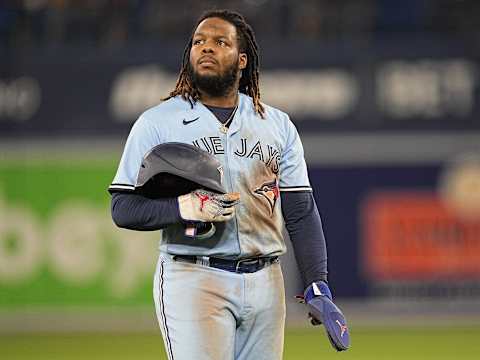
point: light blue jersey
(260, 158)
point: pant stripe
(163, 318)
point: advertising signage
(98, 93)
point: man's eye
(197, 42)
(221, 43)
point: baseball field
(99, 266)
(304, 344)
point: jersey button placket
(226, 138)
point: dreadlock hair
(246, 44)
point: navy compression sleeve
(136, 212)
(304, 226)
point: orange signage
(414, 236)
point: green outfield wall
(58, 244)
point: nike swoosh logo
(186, 122)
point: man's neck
(227, 101)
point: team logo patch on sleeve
(270, 192)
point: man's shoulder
(167, 107)
(270, 111)
(280, 118)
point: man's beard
(215, 85)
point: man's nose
(207, 48)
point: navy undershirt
(302, 220)
(222, 114)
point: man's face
(215, 60)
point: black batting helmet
(172, 169)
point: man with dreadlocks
(222, 297)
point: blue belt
(237, 266)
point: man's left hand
(322, 310)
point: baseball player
(221, 296)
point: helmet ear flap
(200, 230)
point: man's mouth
(206, 60)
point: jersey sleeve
(293, 168)
(142, 139)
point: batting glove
(207, 206)
(322, 310)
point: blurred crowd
(115, 22)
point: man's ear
(242, 61)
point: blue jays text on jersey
(260, 158)
(267, 154)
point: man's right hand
(207, 206)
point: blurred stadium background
(386, 97)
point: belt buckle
(203, 260)
(245, 261)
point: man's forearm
(136, 212)
(304, 227)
